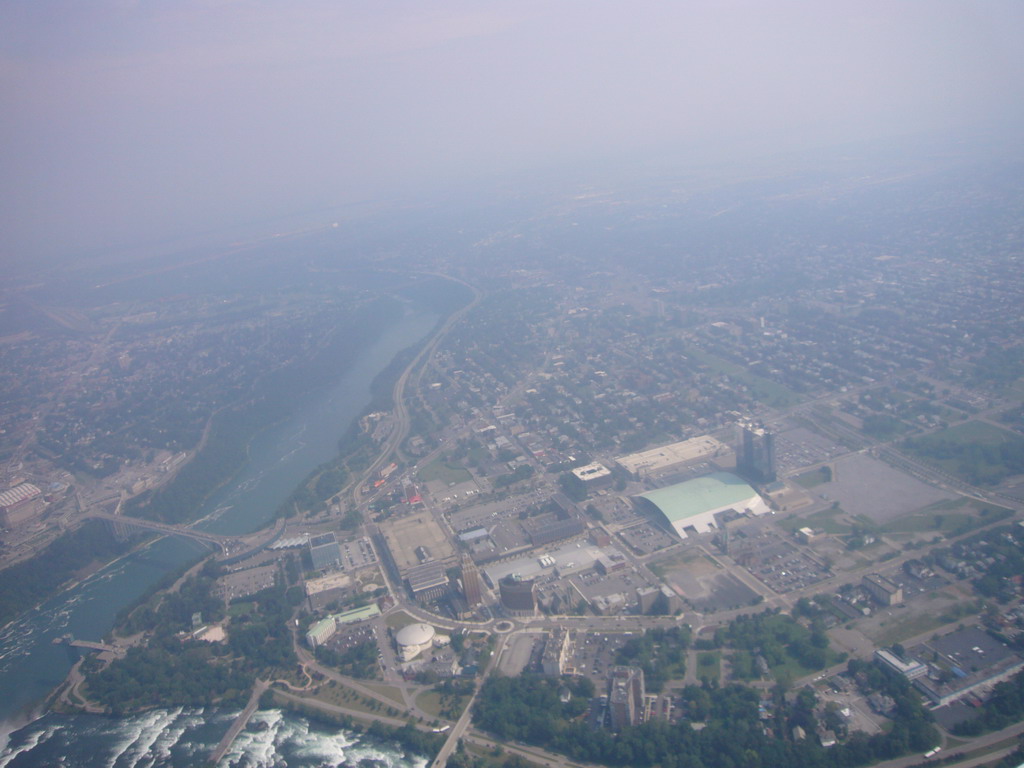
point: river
(31, 665)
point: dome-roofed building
(413, 640)
(695, 503)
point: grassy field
(1017, 390)
(709, 665)
(662, 567)
(791, 669)
(337, 694)
(430, 702)
(241, 609)
(899, 630)
(765, 390)
(947, 522)
(828, 520)
(440, 705)
(445, 472)
(388, 692)
(922, 522)
(977, 432)
(399, 620)
(714, 562)
(896, 632)
(814, 478)
(974, 451)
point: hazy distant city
(512, 385)
(656, 451)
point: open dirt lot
(707, 586)
(406, 534)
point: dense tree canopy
(529, 709)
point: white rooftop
(671, 455)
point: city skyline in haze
(126, 123)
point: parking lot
(616, 511)
(357, 554)
(593, 585)
(349, 637)
(646, 538)
(799, 448)
(780, 564)
(865, 486)
(484, 515)
(592, 653)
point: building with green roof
(695, 503)
(357, 614)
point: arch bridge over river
(231, 547)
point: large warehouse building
(669, 457)
(695, 503)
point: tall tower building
(471, 583)
(518, 596)
(625, 696)
(755, 454)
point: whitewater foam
(34, 740)
(169, 737)
(257, 744)
(140, 752)
(181, 738)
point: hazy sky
(123, 121)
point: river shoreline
(266, 486)
(196, 454)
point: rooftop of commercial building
(322, 539)
(703, 494)
(357, 614)
(670, 455)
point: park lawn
(742, 666)
(1017, 389)
(477, 454)
(295, 675)
(858, 559)
(387, 691)
(895, 632)
(430, 702)
(977, 432)
(814, 478)
(447, 473)
(947, 505)
(965, 451)
(765, 390)
(399, 620)
(935, 517)
(791, 669)
(826, 520)
(709, 665)
(241, 609)
(504, 758)
(441, 705)
(998, 746)
(340, 696)
(922, 522)
(674, 562)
